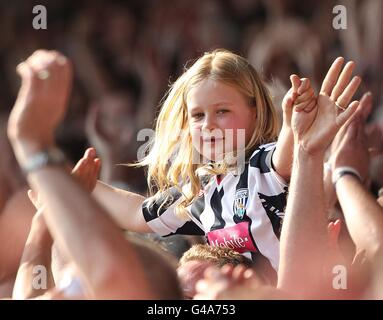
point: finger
(93, 174)
(346, 96)
(311, 106)
(332, 239)
(27, 75)
(80, 165)
(238, 272)
(358, 113)
(305, 96)
(90, 153)
(332, 75)
(227, 270)
(366, 105)
(305, 84)
(295, 82)
(345, 115)
(249, 273)
(352, 130)
(336, 231)
(98, 163)
(32, 197)
(303, 105)
(212, 273)
(343, 80)
(202, 286)
(288, 100)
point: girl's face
(217, 112)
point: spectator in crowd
(108, 278)
(198, 258)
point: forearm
(34, 276)
(363, 215)
(88, 236)
(283, 154)
(329, 189)
(304, 227)
(124, 207)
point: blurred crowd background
(126, 53)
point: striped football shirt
(243, 212)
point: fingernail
(61, 60)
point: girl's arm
(124, 207)
(302, 95)
(283, 154)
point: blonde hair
(170, 160)
(217, 255)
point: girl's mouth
(212, 140)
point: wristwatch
(52, 156)
(341, 171)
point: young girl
(217, 113)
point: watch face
(39, 160)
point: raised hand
(229, 282)
(353, 149)
(315, 133)
(46, 78)
(87, 169)
(301, 95)
(86, 172)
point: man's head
(198, 258)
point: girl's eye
(222, 111)
(198, 116)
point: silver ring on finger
(43, 74)
(339, 106)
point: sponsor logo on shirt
(240, 202)
(236, 238)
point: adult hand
(353, 149)
(229, 282)
(314, 134)
(46, 78)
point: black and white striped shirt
(243, 212)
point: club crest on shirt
(240, 202)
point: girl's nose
(209, 123)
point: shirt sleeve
(261, 161)
(271, 189)
(160, 215)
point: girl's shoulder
(266, 147)
(261, 157)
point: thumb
(295, 83)
(288, 100)
(32, 197)
(333, 233)
(366, 105)
(345, 115)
